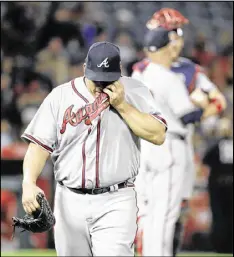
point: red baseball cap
(167, 18)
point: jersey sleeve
(177, 98)
(204, 83)
(136, 75)
(42, 128)
(142, 99)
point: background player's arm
(179, 102)
(217, 102)
(142, 124)
(215, 106)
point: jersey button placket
(98, 151)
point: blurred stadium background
(43, 44)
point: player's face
(177, 44)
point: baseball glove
(39, 221)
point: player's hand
(30, 191)
(199, 98)
(116, 94)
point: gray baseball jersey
(98, 152)
(170, 94)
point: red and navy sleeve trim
(141, 66)
(160, 119)
(192, 86)
(36, 141)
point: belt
(96, 191)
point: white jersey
(193, 76)
(100, 154)
(170, 94)
(204, 83)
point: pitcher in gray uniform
(91, 127)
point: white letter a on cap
(104, 63)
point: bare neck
(160, 58)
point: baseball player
(164, 166)
(198, 86)
(91, 127)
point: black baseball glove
(39, 221)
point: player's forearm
(217, 104)
(143, 125)
(210, 110)
(34, 162)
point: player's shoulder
(131, 83)
(165, 75)
(58, 90)
(141, 65)
(169, 80)
(185, 60)
(66, 87)
(188, 62)
(137, 75)
(62, 90)
(159, 72)
(134, 87)
(182, 62)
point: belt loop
(114, 188)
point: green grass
(53, 253)
(30, 253)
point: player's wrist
(122, 107)
(28, 181)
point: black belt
(94, 191)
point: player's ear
(172, 36)
(172, 44)
(121, 68)
(84, 67)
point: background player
(91, 126)
(167, 168)
(196, 81)
(197, 85)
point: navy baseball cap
(158, 38)
(103, 62)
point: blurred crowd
(44, 44)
